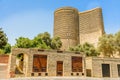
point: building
(41, 63)
(102, 67)
(38, 62)
(74, 27)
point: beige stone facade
(91, 66)
(66, 26)
(91, 26)
(52, 58)
(94, 67)
(74, 27)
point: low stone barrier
(4, 58)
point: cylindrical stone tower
(66, 26)
(91, 26)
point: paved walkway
(3, 71)
(64, 78)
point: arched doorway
(19, 63)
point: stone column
(29, 65)
(12, 65)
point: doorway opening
(19, 63)
(118, 66)
(105, 70)
(59, 68)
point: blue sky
(28, 18)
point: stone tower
(66, 26)
(90, 26)
(74, 27)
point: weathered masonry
(74, 27)
(4, 66)
(103, 67)
(36, 62)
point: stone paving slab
(3, 71)
(62, 78)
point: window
(106, 70)
(118, 66)
(76, 64)
(39, 63)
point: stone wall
(66, 25)
(96, 63)
(52, 58)
(90, 26)
(4, 66)
(4, 58)
(74, 27)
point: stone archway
(18, 63)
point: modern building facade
(74, 27)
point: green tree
(37, 41)
(46, 38)
(90, 50)
(56, 43)
(3, 39)
(117, 42)
(22, 42)
(42, 41)
(7, 48)
(106, 45)
(87, 48)
(1, 51)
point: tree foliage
(56, 43)
(22, 42)
(105, 45)
(109, 44)
(117, 42)
(3, 38)
(5, 47)
(87, 48)
(42, 41)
